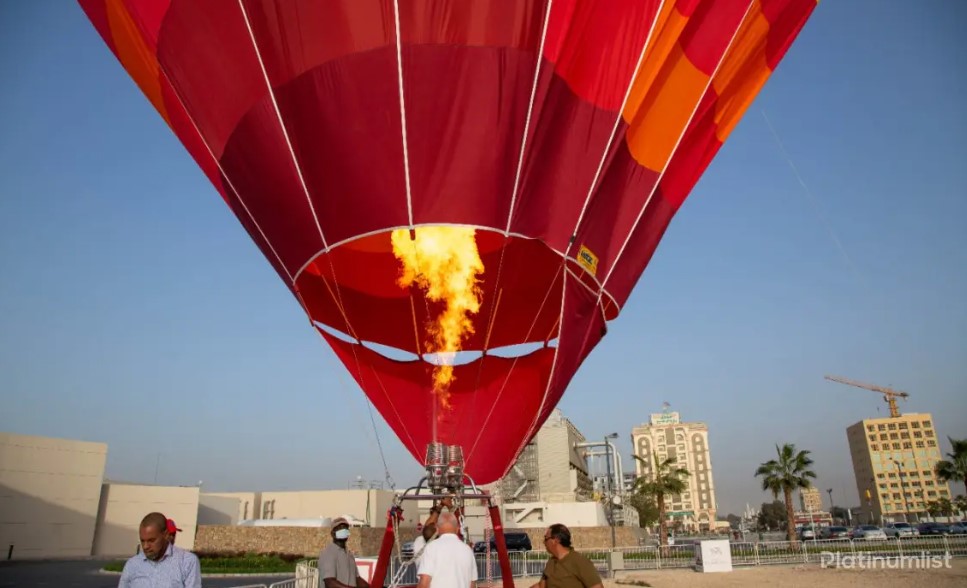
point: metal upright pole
(607, 448)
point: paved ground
(85, 574)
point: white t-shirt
(449, 562)
(418, 544)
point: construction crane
(889, 394)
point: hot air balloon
(460, 194)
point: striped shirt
(177, 568)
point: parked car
(899, 530)
(867, 532)
(934, 529)
(834, 533)
(806, 533)
(515, 540)
(958, 528)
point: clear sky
(137, 312)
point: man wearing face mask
(337, 566)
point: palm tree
(789, 472)
(667, 478)
(954, 469)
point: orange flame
(444, 262)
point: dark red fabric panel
(582, 329)
(96, 11)
(569, 137)
(492, 405)
(624, 188)
(644, 240)
(526, 305)
(260, 167)
(786, 18)
(710, 30)
(148, 16)
(205, 49)
(295, 36)
(465, 110)
(343, 120)
(474, 23)
(595, 46)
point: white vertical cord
(671, 156)
(527, 121)
(399, 79)
(614, 129)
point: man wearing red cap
(173, 530)
(160, 563)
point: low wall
(309, 541)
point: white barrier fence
(531, 563)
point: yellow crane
(889, 394)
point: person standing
(160, 563)
(337, 565)
(428, 530)
(566, 568)
(447, 561)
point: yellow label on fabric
(588, 260)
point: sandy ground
(810, 576)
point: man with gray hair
(447, 561)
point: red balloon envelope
(566, 133)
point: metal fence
(744, 553)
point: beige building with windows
(893, 462)
(550, 482)
(810, 499)
(49, 493)
(666, 436)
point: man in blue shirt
(160, 563)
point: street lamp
(831, 507)
(607, 459)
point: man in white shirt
(447, 561)
(428, 530)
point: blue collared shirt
(177, 568)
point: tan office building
(810, 500)
(550, 468)
(893, 462)
(49, 493)
(667, 436)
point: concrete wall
(249, 503)
(542, 514)
(218, 510)
(49, 491)
(124, 505)
(365, 505)
(365, 541)
(307, 541)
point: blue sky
(137, 312)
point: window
(876, 447)
(926, 424)
(931, 443)
(903, 426)
(917, 435)
(884, 436)
(870, 428)
(894, 436)
(915, 425)
(907, 445)
(928, 433)
(904, 435)
(881, 427)
(920, 444)
(891, 426)
(872, 437)
(896, 446)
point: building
(810, 499)
(49, 494)
(368, 506)
(894, 461)
(666, 436)
(550, 468)
(550, 481)
(123, 505)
